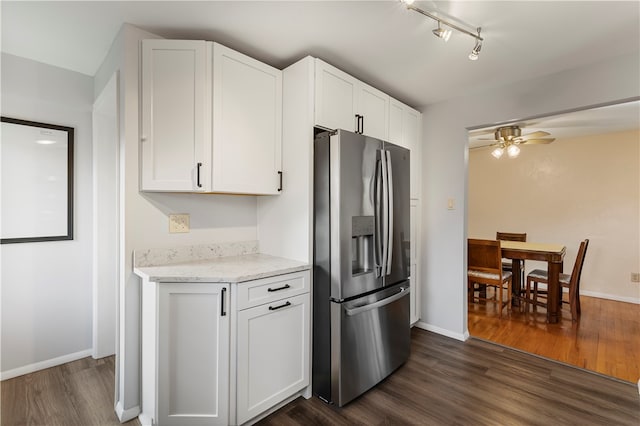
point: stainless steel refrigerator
(361, 330)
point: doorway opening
(583, 184)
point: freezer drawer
(370, 339)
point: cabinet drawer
(257, 292)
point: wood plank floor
(448, 382)
(77, 393)
(605, 340)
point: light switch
(178, 223)
(451, 204)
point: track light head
(476, 49)
(442, 33)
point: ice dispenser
(361, 244)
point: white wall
(144, 216)
(445, 156)
(46, 287)
(572, 189)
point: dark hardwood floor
(605, 340)
(77, 393)
(444, 382)
(448, 382)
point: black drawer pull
(198, 175)
(284, 287)
(273, 308)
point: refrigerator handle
(385, 211)
(377, 251)
(389, 213)
(403, 291)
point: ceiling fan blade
(482, 146)
(487, 139)
(538, 141)
(538, 134)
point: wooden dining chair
(484, 261)
(507, 264)
(572, 282)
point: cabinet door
(414, 210)
(174, 115)
(396, 116)
(373, 105)
(247, 124)
(336, 98)
(412, 123)
(193, 354)
(273, 354)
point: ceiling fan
(509, 137)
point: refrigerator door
(398, 261)
(354, 246)
(370, 339)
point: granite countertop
(233, 269)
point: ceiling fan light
(407, 2)
(497, 153)
(513, 151)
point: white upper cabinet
(211, 120)
(174, 114)
(343, 102)
(404, 130)
(247, 124)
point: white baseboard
(145, 420)
(635, 300)
(10, 374)
(458, 336)
(128, 414)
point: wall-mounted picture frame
(36, 181)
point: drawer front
(258, 292)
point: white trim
(458, 336)
(128, 414)
(635, 300)
(26, 369)
(145, 420)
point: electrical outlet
(635, 277)
(178, 223)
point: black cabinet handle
(284, 287)
(358, 123)
(223, 312)
(273, 308)
(280, 175)
(198, 175)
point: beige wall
(572, 189)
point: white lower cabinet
(220, 353)
(273, 354)
(192, 354)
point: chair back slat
(577, 267)
(511, 236)
(484, 255)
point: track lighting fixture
(445, 34)
(442, 33)
(476, 49)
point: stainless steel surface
(361, 264)
(373, 338)
(389, 213)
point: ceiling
(595, 121)
(380, 42)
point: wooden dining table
(553, 254)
